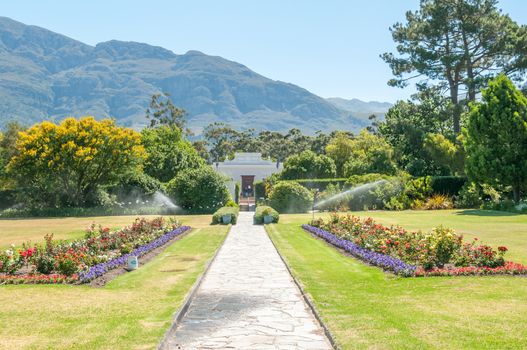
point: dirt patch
(110, 275)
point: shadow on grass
(479, 212)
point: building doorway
(247, 188)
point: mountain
(48, 76)
(360, 109)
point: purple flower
(384, 261)
(100, 269)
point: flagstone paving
(248, 300)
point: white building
(246, 168)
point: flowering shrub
(385, 261)
(100, 269)
(441, 251)
(100, 245)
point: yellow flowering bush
(66, 163)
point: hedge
(448, 185)
(7, 198)
(218, 215)
(319, 184)
(290, 197)
(259, 190)
(82, 212)
(259, 214)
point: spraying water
(352, 191)
(159, 199)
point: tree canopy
(496, 137)
(459, 45)
(167, 152)
(65, 164)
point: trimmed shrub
(217, 218)
(448, 185)
(263, 210)
(259, 190)
(237, 192)
(320, 184)
(290, 197)
(199, 190)
(355, 180)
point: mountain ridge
(48, 76)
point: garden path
(248, 300)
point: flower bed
(85, 259)
(385, 261)
(440, 252)
(100, 269)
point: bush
(259, 190)
(138, 185)
(438, 201)
(448, 185)
(320, 184)
(325, 202)
(469, 196)
(217, 217)
(7, 198)
(237, 192)
(308, 165)
(92, 211)
(199, 190)
(355, 180)
(290, 197)
(263, 210)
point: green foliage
(445, 153)
(331, 190)
(66, 164)
(370, 154)
(307, 165)
(340, 149)
(496, 137)
(162, 111)
(457, 45)
(259, 190)
(290, 197)
(355, 180)
(217, 217)
(402, 193)
(407, 125)
(167, 152)
(319, 184)
(136, 185)
(262, 211)
(469, 196)
(237, 192)
(199, 190)
(8, 139)
(448, 185)
(83, 212)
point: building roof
(247, 158)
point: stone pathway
(248, 300)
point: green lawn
(493, 227)
(131, 312)
(18, 231)
(366, 308)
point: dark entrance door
(247, 188)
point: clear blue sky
(328, 47)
